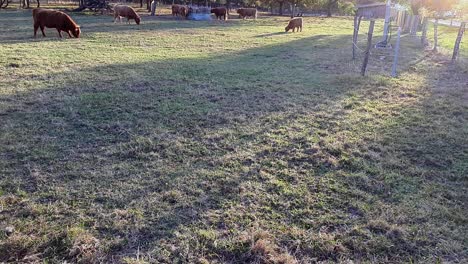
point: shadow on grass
(270, 34)
(91, 137)
(174, 155)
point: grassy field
(447, 36)
(228, 142)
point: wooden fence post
(456, 49)
(388, 14)
(397, 50)
(424, 33)
(436, 25)
(357, 23)
(369, 45)
(410, 24)
(407, 22)
(414, 26)
(354, 36)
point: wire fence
(412, 50)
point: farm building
(374, 10)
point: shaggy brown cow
(293, 24)
(175, 10)
(183, 11)
(220, 12)
(127, 12)
(247, 12)
(54, 19)
(180, 10)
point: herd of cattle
(220, 12)
(62, 22)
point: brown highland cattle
(54, 19)
(220, 12)
(247, 12)
(293, 24)
(127, 12)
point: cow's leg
(60, 33)
(300, 28)
(36, 27)
(69, 34)
(294, 28)
(42, 30)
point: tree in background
(331, 5)
(436, 9)
(461, 9)
(281, 6)
(346, 7)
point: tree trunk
(153, 8)
(281, 8)
(141, 3)
(38, 4)
(292, 9)
(330, 5)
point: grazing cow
(54, 19)
(127, 12)
(180, 10)
(247, 12)
(220, 12)
(183, 11)
(293, 24)
(175, 10)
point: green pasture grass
(228, 142)
(447, 37)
